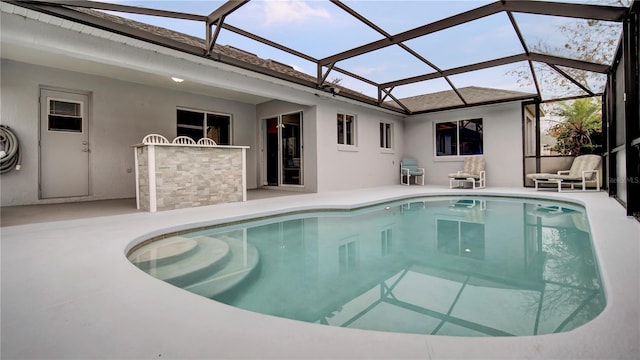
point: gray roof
(471, 94)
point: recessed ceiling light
(177, 79)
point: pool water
(461, 266)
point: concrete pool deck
(68, 291)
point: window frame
(386, 142)
(205, 116)
(457, 142)
(78, 117)
(477, 252)
(354, 131)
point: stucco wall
(502, 138)
(328, 167)
(121, 113)
(366, 165)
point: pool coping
(80, 297)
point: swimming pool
(464, 266)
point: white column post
(153, 207)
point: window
(346, 129)
(460, 238)
(347, 256)
(455, 138)
(386, 134)
(198, 124)
(386, 242)
(65, 116)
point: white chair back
(207, 142)
(155, 139)
(183, 140)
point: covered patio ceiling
(391, 54)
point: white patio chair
(584, 169)
(207, 142)
(183, 140)
(154, 139)
(472, 172)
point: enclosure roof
(466, 53)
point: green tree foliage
(580, 122)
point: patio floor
(30, 214)
(68, 291)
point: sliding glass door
(283, 150)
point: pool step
(203, 265)
(162, 252)
(209, 256)
(244, 258)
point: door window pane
(64, 116)
(272, 151)
(291, 137)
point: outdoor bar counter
(173, 176)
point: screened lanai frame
(621, 105)
(409, 43)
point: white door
(64, 144)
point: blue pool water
(471, 266)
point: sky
(320, 29)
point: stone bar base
(171, 176)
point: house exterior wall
(121, 114)
(123, 110)
(502, 142)
(366, 165)
(327, 166)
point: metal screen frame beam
(458, 70)
(582, 11)
(217, 17)
(570, 78)
(375, 27)
(66, 9)
(107, 25)
(579, 11)
(547, 59)
(523, 43)
(630, 53)
(572, 63)
(117, 8)
(451, 21)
